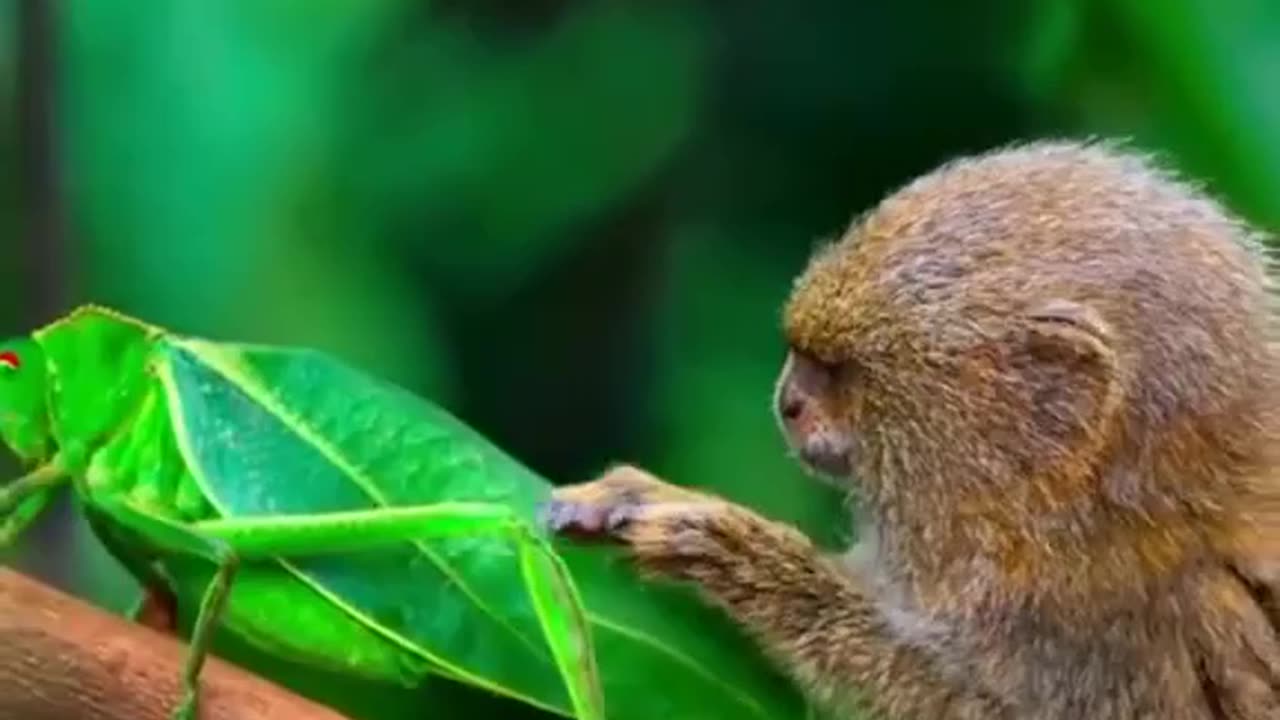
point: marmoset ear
(1069, 330)
(1069, 362)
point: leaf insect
(193, 493)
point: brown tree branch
(62, 659)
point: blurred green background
(571, 222)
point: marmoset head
(1001, 328)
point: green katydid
(117, 409)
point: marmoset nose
(792, 406)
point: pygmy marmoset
(1048, 374)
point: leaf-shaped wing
(277, 431)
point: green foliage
(1194, 78)
(612, 86)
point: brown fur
(1049, 374)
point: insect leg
(551, 589)
(16, 522)
(563, 620)
(42, 478)
(22, 500)
(268, 536)
(168, 537)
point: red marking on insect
(9, 359)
